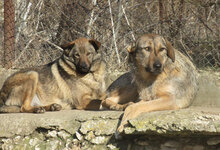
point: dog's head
(150, 52)
(81, 53)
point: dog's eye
(88, 53)
(161, 49)
(76, 55)
(147, 48)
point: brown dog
(75, 80)
(161, 79)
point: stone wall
(194, 128)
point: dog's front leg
(88, 103)
(132, 111)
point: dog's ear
(170, 50)
(67, 47)
(131, 48)
(96, 44)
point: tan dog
(75, 80)
(161, 78)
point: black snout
(83, 68)
(157, 65)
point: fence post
(9, 33)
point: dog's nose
(84, 66)
(157, 65)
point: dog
(73, 81)
(161, 78)
(121, 93)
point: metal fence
(42, 26)
(9, 27)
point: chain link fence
(9, 24)
(42, 26)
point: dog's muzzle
(156, 69)
(157, 66)
(83, 68)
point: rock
(99, 140)
(141, 142)
(8, 144)
(214, 141)
(96, 139)
(52, 134)
(70, 126)
(75, 142)
(90, 136)
(171, 144)
(53, 144)
(79, 136)
(7, 147)
(111, 146)
(99, 127)
(63, 135)
(175, 122)
(33, 142)
(7, 141)
(17, 139)
(198, 147)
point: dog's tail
(3, 97)
(4, 94)
(10, 109)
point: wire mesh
(42, 26)
(9, 35)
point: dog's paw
(120, 107)
(117, 107)
(55, 107)
(39, 110)
(130, 103)
(120, 129)
(126, 105)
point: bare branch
(126, 18)
(113, 32)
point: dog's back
(186, 82)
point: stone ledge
(69, 120)
(67, 129)
(193, 121)
(74, 129)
